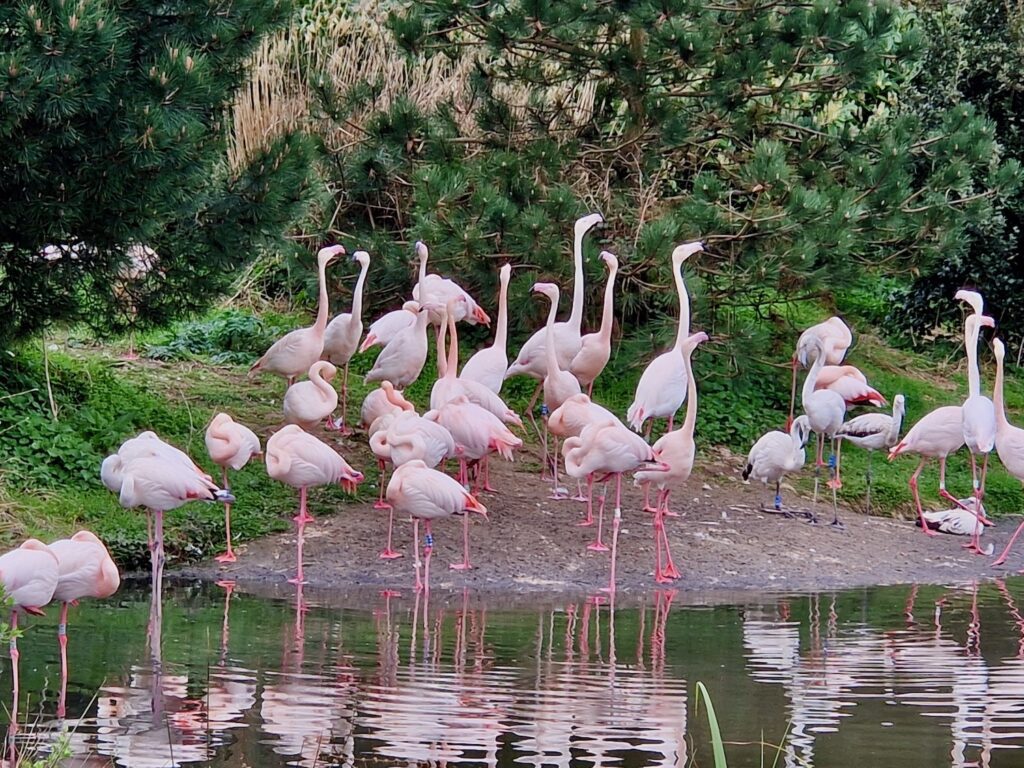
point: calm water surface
(892, 676)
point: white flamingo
(437, 291)
(387, 326)
(596, 348)
(776, 454)
(835, 338)
(402, 360)
(488, 366)
(307, 403)
(872, 432)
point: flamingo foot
(834, 484)
(669, 513)
(586, 523)
(389, 593)
(463, 566)
(227, 557)
(297, 581)
(974, 548)
(559, 494)
(302, 519)
(381, 505)
(389, 554)
(597, 546)
(488, 488)
(671, 572)
(662, 578)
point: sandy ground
(530, 543)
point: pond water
(899, 676)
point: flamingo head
(350, 479)
(548, 289)
(411, 306)
(326, 255)
(420, 250)
(998, 348)
(899, 404)
(973, 298)
(586, 223)
(479, 316)
(609, 258)
(505, 273)
(473, 505)
(685, 251)
(801, 429)
(362, 257)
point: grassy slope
(102, 400)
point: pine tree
(112, 135)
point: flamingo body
(229, 443)
(29, 575)
(401, 361)
(385, 328)
(85, 568)
(307, 403)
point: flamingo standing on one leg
(872, 432)
(85, 570)
(825, 411)
(300, 460)
(29, 575)
(531, 359)
(426, 494)
(1009, 439)
(488, 366)
(292, 354)
(341, 337)
(662, 386)
(834, 336)
(776, 454)
(596, 348)
(230, 444)
(979, 415)
(676, 449)
(401, 361)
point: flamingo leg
(388, 553)
(158, 555)
(867, 478)
(303, 516)
(917, 496)
(465, 565)
(546, 463)
(942, 487)
(834, 464)
(380, 503)
(428, 548)
(15, 655)
(556, 492)
(590, 390)
(792, 397)
(835, 485)
(616, 522)
(647, 499)
(1009, 545)
(300, 520)
(671, 421)
(817, 465)
(670, 571)
(487, 475)
(149, 531)
(418, 586)
(597, 545)
(229, 555)
(579, 492)
(658, 576)
(666, 512)
(62, 641)
(974, 545)
(344, 403)
(531, 405)
(590, 502)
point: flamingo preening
(832, 335)
(230, 444)
(777, 453)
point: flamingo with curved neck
(307, 403)
(341, 338)
(596, 348)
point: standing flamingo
(1009, 439)
(833, 335)
(559, 385)
(437, 291)
(872, 432)
(401, 361)
(292, 354)
(677, 450)
(387, 326)
(341, 337)
(381, 400)
(825, 411)
(596, 348)
(569, 420)
(300, 460)
(85, 569)
(531, 359)
(979, 415)
(662, 386)
(776, 454)
(29, 575)
(426, 494)
(488, 366)
(307, 403)
(230, 444)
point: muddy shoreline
(532, 545)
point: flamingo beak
(472, 505)
(350, 483)
(481, 317)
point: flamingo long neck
(321, 383)
(812, 375)
(549, 336)
(608, 312)
(442, 360)
(501, 333)
(321, 312)
(894, 426)
(423, 266)
(997, 395)
(973, 374)
(453, 348)
(690, 421)
(684, 307)
(357, 297)
(576, 317)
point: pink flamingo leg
(658, 576)
(556, 492)
(942, 487)
(149, 531)
(465, 565)
(974, 545)
(428, 549)
(917, 497)
(388, 553)
(670, 572)
(62, 641)
(487, 475)
(303, 516)
(15, 655)
(647, 499)
(229, 555)
(597, 545)
(298, 544)
(817, 465)
(671, 422)
(418, 586)
(579, 492)
(792, 398)
(158, 555)
(380, 503)
(616, 521)
(665, 511)
(1002, 558)
(344, 403)
(590, 502)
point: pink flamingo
(85, 569)
(230, 444)
(596, 348)
(832, 335)
(558, 385)
(979, 414)
(387, 326)
(307, 403)
(437, 291)
(381, 400)
(608, 448)
(476, 433)
(1009, 439)
(532, 359)
(292, 354)
(401, 361)
(342, 334)
(300, 460)
(29, 575)
(488, 366)
(426, 494)
(825, 411)
(568, 420)
(676, 449)
(662, 386)
(937, 435)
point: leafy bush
(228, 336)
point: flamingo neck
(357, 298)
(549, 337)
(442, 360)
(609, 309)
(973, 374)
(997, 395)
(812, 375)
(501, 334)
(423, 266)
(684, 307)
(321, 383)
(321, 312)
(690, 421)
(453, 348)
(576, 317)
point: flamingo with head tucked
(488, 366)
(662, 386)
(341, 338)
(834, 336)
(292, 354)
(300, 460)
(596, 348)
(230, 444)
(307, 403)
